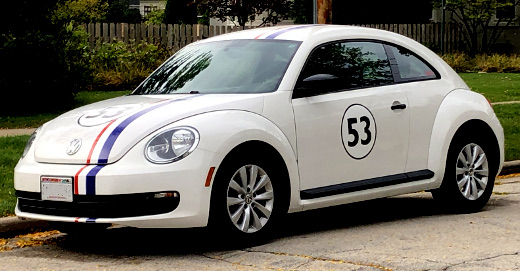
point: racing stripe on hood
(90, 182)
(111, 140)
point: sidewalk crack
(323, 259)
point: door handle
(398, 107)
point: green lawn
(509, 116)
(33, 121)
(497, 87)
(11, 149)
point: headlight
(171, 145)
(30, 142)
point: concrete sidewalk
(16, 132)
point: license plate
(56, 188)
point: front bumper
(124, 193)
(100, 206)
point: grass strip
(497, 87)
(509, 117)
(11, 149)
(34, 121)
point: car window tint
(410, 66)
(343, 66)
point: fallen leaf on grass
(38, 235)
(28, 243)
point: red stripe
(96, 141)
(76, 177)
(259, 36)
(76, 190)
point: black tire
(271, 196)
(463, 189)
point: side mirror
(320, 77)
(315, 85)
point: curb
(12, 226)
(510, 167)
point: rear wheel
(469, 175)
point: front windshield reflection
(237, 66)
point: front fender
(457, 108)
(221, 131)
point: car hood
(103, 132)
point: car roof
(313, 35)
(301, 32)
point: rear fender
(459, 107)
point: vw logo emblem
(74, 146)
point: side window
(342, 66)
(410, 67)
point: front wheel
(247, 199)
(469, 176)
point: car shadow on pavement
(126, 241)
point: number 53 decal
(358, 131)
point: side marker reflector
(209, 177)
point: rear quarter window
(410, 66)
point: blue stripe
(276, 34)
(91, 180)
(111, 140)
(91, 220)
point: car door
(352, 125)
(425, 93)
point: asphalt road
(400, 233)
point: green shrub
(120, 66)
(461, 62)
(43, 61)
(498, 63)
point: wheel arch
(267, 152)
(462, 111)
(485, 132)
(229, 131)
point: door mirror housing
(316, 84)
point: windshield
(235, 66)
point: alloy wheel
(250, 198)
(472, 171)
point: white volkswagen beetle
(236, 130)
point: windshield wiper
(194, 92)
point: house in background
(257, 22)
(503, 14)
(381, 12)
(147, 6)
(134, 4)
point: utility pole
(315, 11)
(324, 11)
(443, 25)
